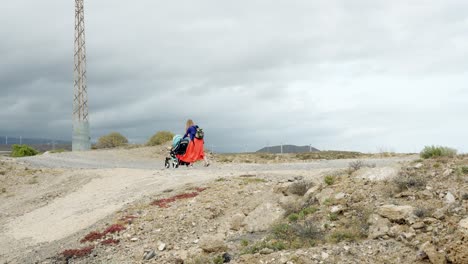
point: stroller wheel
(166, 164)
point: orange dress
(195, 151)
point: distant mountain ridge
(287, 149)
(31, 141)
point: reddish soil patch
(70, 253)
(164, 203)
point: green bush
(343, 235)
(160, 137)
(437, 151)
(23, 151)
(293, 217)
(329, 180)
(464, 169)
(333, 216)
(111, 140)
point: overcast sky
(363, 75)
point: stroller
(179, 146)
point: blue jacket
(191, 131)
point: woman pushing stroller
(195, 149)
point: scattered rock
(377, 174)
(418, 166)
(418, 225)
(426, 194)
(226, 257)
(447, 172)
(420, 255)
(149, 254)
(161, 246)
(449, 198)
(325, 255)
(266, 251)
(408, 235)
(464, 225)
(340, 198)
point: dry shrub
(111, 140)
(297, 234)
(292, 207)
(348, 235)
(160, 137)
(357, 165)
(405, 181)
(300, 187)
(421, 212)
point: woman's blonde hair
(189, 124)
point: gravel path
(107, 160)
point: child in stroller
(179, 146)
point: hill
(287, 149)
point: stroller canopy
(176, 139)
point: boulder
(457, 250)
(312, 191)
(395, 213)
(435, 256)
(324, 195)
(210, 243)
(237, 221)
(397, 230)
(281, 188)
(440, 213)
(263, 217)
(336, 209)
(340, 198)
(379, 226)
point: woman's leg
(207, 162)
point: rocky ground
(359, 213)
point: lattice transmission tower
(81, 135)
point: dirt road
(94, 185)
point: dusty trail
(114, 182)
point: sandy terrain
(71, 192)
